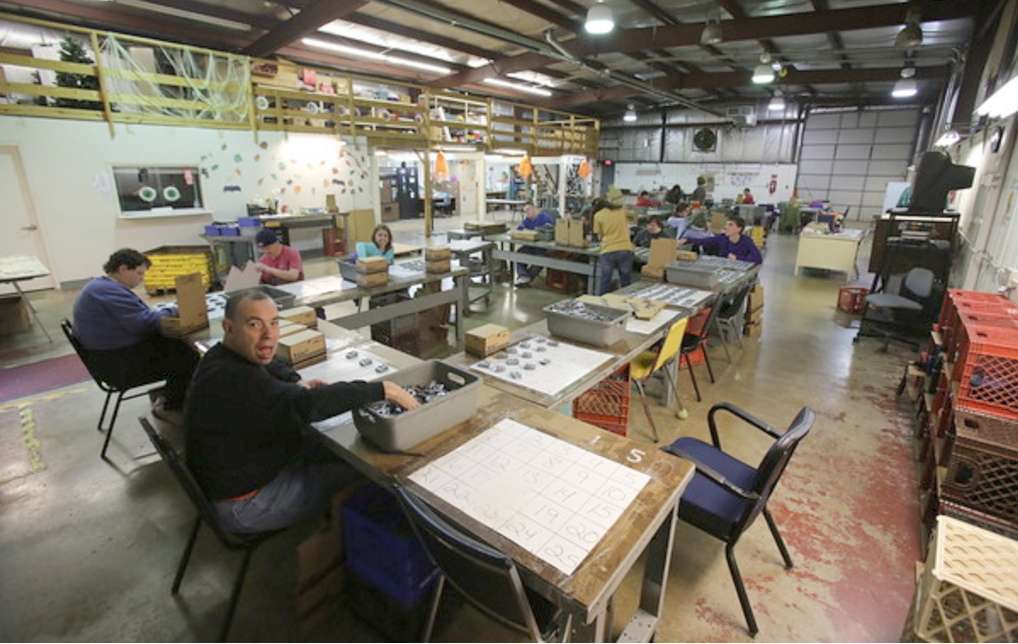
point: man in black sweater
(245, 415)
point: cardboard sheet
(646, 327)
(555, 365)
(675, 295)
(238, 280)
(551, 497)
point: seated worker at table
(680, 220)
(732, 243)
(747, 197)
(121, 334)
(279, 264)
(674, 195)
(532, 220)
(700, 194)
(612, 229)
(246, 418)
(379, 246)
(653, 230)
(644, 201)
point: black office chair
(237, 542)
(726, 495)
(691, 342)
(485, 577)
(728, 318)
(913, 291)
(120, 390)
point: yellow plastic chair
(648, 363)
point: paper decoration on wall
(296, 188)
(215, 167)
(282, 166)
(171, 193)
(325, 183)
(147, 194)
(205, 173)
(258, 157)
(204, 156)
(289, 182)
(231, 188)
(101, 183)
(260, 181)
(335, 171)
(360, 188)
(237, 158)
(274, 177)
(264, 145)
(339, 182)
(584, 170)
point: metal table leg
(31, 308)
(643, 625)
(463, 284)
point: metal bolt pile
(423, 393)
(579, 310)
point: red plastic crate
(987, 371)
(970, 301)
(974, 317)
(852, 299)
(606, 405)
(983, 478)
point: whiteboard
(554, 499)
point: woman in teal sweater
(379, 246)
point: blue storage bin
(381, 547)
(229, 231)
(249, 222)
(212, 230)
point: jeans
(155, 358)
(303, 490)
(606, 265)
(525, 270)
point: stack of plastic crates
(606, 405)
(171, 262)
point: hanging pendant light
(599, 19)
(777, 103)
(911, 35)
(907, 86)
(630, 115)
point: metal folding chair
(649, 362)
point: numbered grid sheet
(542, 364)
(551, 497)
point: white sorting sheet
(551, 497)
(675, 295)
(345, 365)
(646, 327)
(542, 364)
(312, 288)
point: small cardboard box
(486, 340)
(440, 266)
(303, 315)
(372, 265)
(653, 272)
(370, 280)
(298, 347)
(686, 256)
(192, 311)
(562, 232)
(525, 235)
(289, 328)
(436, 253)
(576, 237)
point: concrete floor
(89, 550)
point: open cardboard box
(192, 311)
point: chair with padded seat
(109, 389)
(483, 575)
(246, 543)
(692, 341)
(728, 317)
(726, 495)
(648, 363)
(912, 291)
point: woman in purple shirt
(732, 243)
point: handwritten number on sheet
(635, 455)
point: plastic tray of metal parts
(591, 324)
(347, 269)
(673, 295)
(282, 299)
(450, 398)
(724, 262)
(689, 274)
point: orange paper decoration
(584, 170)
(441, 167)
(525, 168)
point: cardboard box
(369, 265)
(289, 328)
(486, 340)
(576, 237)
(436, 253)
(686, 256)
(14, 315)
(662, 252)
(192, 311)
(440, 266)
(298, 347)
(303, 315)
(525, 235)
(390, 212)
(653, 272)
(371, 280)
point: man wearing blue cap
(279, 264)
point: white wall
(68, 165)
(729, 178)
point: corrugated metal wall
(848, 157)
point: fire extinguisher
(772, 187)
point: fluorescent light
(630, 115)
(457, 148)
(711, 34)
(530, 89)
(599, 20)
(905, 88)
(1003, 102)
(374, 55)
(947, 139)
(763, 74)
(510, 152)
(777, 104)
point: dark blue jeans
(526, 270)
(606, 265)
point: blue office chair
(484, 576)
(726, 495)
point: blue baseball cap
(266, 237)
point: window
(145, 191)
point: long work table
(508, 251)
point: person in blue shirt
(121, 334)
(679, 221)
(379, 246)
(732, 243)
(532, 220)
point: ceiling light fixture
(777, 103)
(948, 139)
(530, 89)
(630, 115)
(711, 34)
(907, 86)
(599, 19)
(374, 55)
(911, 35)
(1003, 102)
(763, 74)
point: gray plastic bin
(688, 274)
(403, 432)
(597, 333)
(347, 269)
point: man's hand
(731, 255)
(682, 242)
(262, 267)
(312, 384)
(400, 396)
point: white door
(21, 228)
